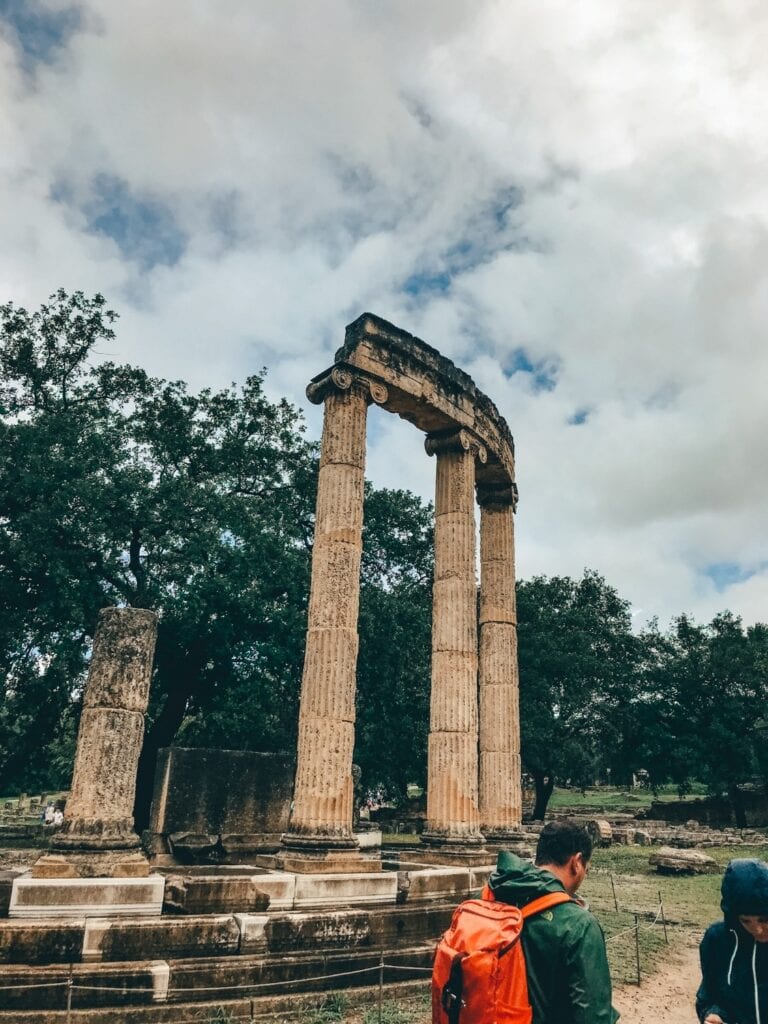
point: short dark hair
(559, 840)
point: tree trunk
(159, 735)
(544, 783)
(737, 803)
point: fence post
(381, 983)
(615, 901)
(637, 946)
(69, 995)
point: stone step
(163, 982)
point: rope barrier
(633, 928)
(37, 984)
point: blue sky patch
(427, 282)
(543, 373)
(578, 417)
(143, 228)
(487, 232)
(37, 33)
(725, 574)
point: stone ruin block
(212, 806)
(672, 861)
(205, 894)
(600, 831)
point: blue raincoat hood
(745, 888)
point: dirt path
(666, 996)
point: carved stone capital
(346, 378)
(455, 441)
(497, 496)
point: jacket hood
(745, 888)
(518, 882)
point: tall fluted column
(452, 796)
(98, 837)
(500, 793)
(322, 811)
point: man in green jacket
(568, 977)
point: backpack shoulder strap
(550, 899)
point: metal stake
(663, 918)
(637, 946)
(381, 982)
(69, 995)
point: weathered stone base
(500, 836)
(467, 856)
(304, 862)
(452, 855)
(92, 864)
(207, 958)
(84, 897)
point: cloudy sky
(568, 199)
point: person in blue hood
(734, 952)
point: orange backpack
(479, 974)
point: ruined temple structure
(474, 749)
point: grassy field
(690, 904)
(608, 798)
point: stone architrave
(320, 835)
(98, 837)
(452, 770)
(500, 775)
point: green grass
(332, 1008)
(400, 1012)
(608, 798)
(690, 904)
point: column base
(467, 856)
(310, 853)
(92, 864)
(327, 862)
(96, 834)
(505, 833)
(521, 843)
(441, 848)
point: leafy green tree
(716, 683)
(395, 641)
(577, 656)
(118, 488)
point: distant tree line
(121, 488)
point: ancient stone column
(500, 794)
(321, 822)
(98, 838)
(452, 796)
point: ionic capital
(455, 441)
(346, 378)
(497, 496)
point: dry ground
(667, 995)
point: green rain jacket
(568, 977)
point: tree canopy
(120, 488)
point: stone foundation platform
(310, 928)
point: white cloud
(581, 182)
